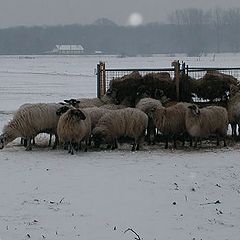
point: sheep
(73, 127)
(95, 114)
(129, 122)
(233, 107)
(113, 106)
(207, 121)
(108, 98)
(170, 121)
(145, 105)
(29, 121)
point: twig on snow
(216, 202)
(129, 229)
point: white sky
(54, 12)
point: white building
(68, 49)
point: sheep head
(62, 110)
(101, 135)
(233, 90)
(156, 111)
(74, 102)
(78, 113)
(194, 110)
(3, 141)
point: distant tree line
(191, 31)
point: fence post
(176, 66)
(98, 80)
(101, 79)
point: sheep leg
(134, 146)
(234, 130)
(29, 145)
(175, 141)
(190, 141)
(50, 140)
(25, 142)
(166, 142)
(69, 145)
(217, 140)
(115, 144)
(224, 141)
(71, 148)
(89, 142)
(150, 131)
(56, 142)
(86, 145)
(195, 143)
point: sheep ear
(190, 107)
(152, 109)
(80, 114)
(67, 101)
(62, 110)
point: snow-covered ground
(160, 194)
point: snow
(161, 194)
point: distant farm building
(68, 49)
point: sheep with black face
(74, 126)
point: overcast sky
(54, 12)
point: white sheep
(212, 120)
(29, 121)
(170, 121)
(113, 106)
(129, 122)
(233, 108)
(145, 105)
(74, 126)
(95, 113)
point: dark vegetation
(191, 31)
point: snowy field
(160, 194)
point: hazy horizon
(64, 12)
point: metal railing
(198, 72)
(104, 75)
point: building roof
(69, 47)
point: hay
(213, 85)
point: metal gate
(177, 72)
(105, 75)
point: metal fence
(196, 72)
(104, 75)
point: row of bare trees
(223, 22)
(191, 31)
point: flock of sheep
(77, 123)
